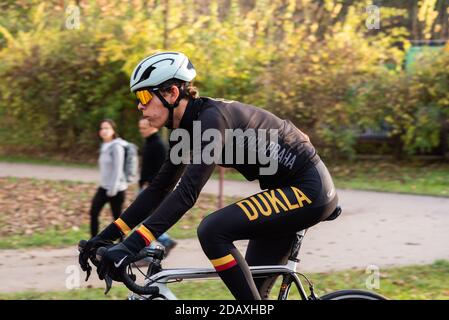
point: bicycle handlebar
(128, 281)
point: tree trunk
(166, 13)
(413, 14)
(444, 136)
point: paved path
(231, 188)
(383, 229)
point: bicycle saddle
(334, 215)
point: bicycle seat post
(296, 246)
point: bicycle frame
(288, 272)
(165, 276)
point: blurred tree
(312, 61)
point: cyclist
(297, 195)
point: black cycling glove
(117, 257)
(104, 239)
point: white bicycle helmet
(160, 67)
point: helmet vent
(146, 74)
(137, 71)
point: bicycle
(156, 279)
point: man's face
(154, 111)
(144, 128)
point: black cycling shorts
(270, 220)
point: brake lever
(108, 281)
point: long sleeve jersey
(162, 205)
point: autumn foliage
(313, 62)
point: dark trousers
(98, 202)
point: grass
(188, 224)
(412, 178)
(79, 294)
(410, 282)
(402, 179)
(54, 237)
(44, 161)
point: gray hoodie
(111, 162)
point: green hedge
(57, 83)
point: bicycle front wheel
(352, 295)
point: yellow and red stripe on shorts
(224, 263)
(122, 226)
(146, 234)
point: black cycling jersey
(295, 154)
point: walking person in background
(113, 181)
(154, 153)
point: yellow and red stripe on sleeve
(224, 263)
(122, 226)
(146, 234)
